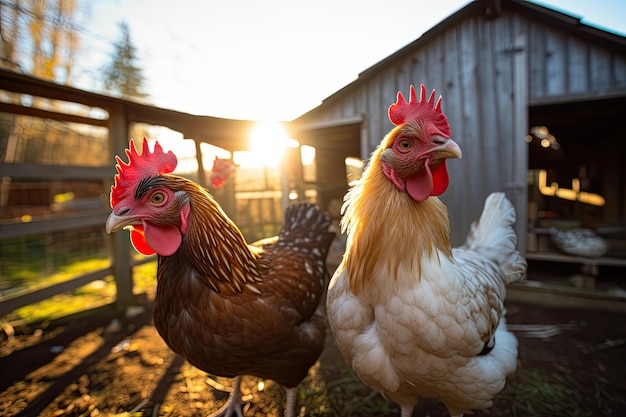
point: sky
(272, 59)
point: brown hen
(229, 308)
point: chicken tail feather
(493, 236)
(305, 223)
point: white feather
(419, 334)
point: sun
(268, 143)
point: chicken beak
(115, 222)
(449, 149)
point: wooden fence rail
(225, 133)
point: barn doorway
(577, 186)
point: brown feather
(231, 308)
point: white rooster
(414, 317)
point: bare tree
(54, 38)
(9, 34)
(44, 32)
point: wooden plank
(45, 114)
(538, 292)
(348, 107)
(460, 103)
(435, 59)
(374, 118)
(63, 172)
(555, 62)
(90, 218)
(14, 302)
(503, 136)
(517, 188)
(494, 101)
(418, 67)
(388, 91)
(360, 106)
(297, 128)
(402, 74)
(486, 59)
(202, 175)
(570, 259)
(572, 98)
(503, 44)
(599, 69)
(536, 56)
(577, 66)
(619, 70)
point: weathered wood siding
(561, 65)
(471, 66)
(488, 71)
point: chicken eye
(404, 145)
(157, 198)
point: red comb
(139, 166)
(413, 110)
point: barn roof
(489, 9)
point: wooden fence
(22, 95)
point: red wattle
(441, 180)
(426, 183)
(138, 240)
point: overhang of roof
(230, 134)
(340, 136)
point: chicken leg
(290, 406)
(234, 404)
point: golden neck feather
(386, 227)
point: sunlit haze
(268, 142)
(275, 59)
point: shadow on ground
(105, 364)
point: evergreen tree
(123, 76)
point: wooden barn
(535, 99)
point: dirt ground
(106, 364)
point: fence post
(120, 242)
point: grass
(94, 294)
(31, 262)
(336, 391)
(545, 392)
(348, 396)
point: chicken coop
(535, 99)
(57, 150)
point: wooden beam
(229, 134)
(45, 114)
(55, 224)
(63, 172)
(201, 171)
(580, 97)
(119, 137)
